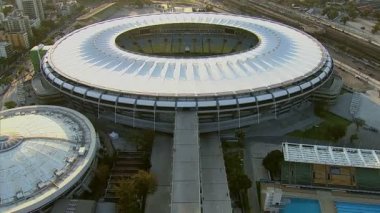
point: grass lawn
(322, 131)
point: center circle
(187, 40)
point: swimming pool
(298, 205)
(343, 207)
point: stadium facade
(46, 153)
(233, 70)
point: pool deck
(326, 198)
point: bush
(353, 138)
(133, 191)
(10, 104)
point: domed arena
(46, 153)
(232, 70)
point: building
(17, 22)
(19, 40)
(5, 49)
(46, 153)
(232, 70)
(356, 170)
(36, 54)
(66, 8)
(83, 206)
(32, 8)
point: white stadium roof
(331, 155)
(48, 158)
(90, 56)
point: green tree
(238, 182)
(10, 104)
(376, 28)
(7, 10)
(332, 14)
(143, 139)
(345, 19)
(273, 162)
(128, 199)
(133, 191)
(336, 131)
(144, 183)
(352, 11)
(353, 138)
(240, 135)
(320, 109)
(209, 8)
(359, 123)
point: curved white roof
(48, 160)
(91, 57)
(331, 155)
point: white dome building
(46, 152)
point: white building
(32, 8)
(5, 49)
(46, 153)
(17, 22)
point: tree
(352, 10)
(128, 199)
(132, 191)
(10, 104)
(7, 11)
(240, 135)
(336, 131)
(209, 7)
(143, 139)
(238, 182)
(359, 123)
(376, 28)
(273, 162)
(144, 183)
(332, 14)
(344, 19)
(320, 108)
(353, 138)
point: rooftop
(48, 158)
(331, 155)
(282, 56)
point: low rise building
(5, 50)
(19, 40)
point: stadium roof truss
(331, 155)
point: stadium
(46, 153)
(232, 70)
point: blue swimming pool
(298, 205)
(343, 207)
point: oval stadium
(232, 70)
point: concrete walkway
(253, 156)
(161, 159)
(186, 197)
(215, 193)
